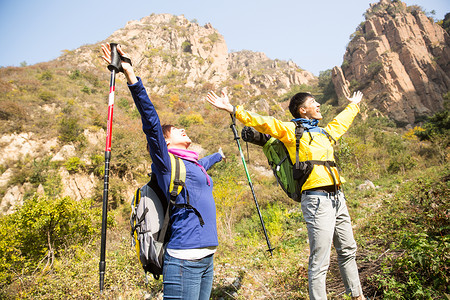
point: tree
(327, 86)
(446, 23)
(40, 230)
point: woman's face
(178, 139)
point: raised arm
(150, 121)
(340, 124)
(283, 131)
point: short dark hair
(166, 128)
(296, 102)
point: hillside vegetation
(397, 189)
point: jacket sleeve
(208, 161)
(151, 126)
(284, 131)
(342, 121)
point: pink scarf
(189, 155)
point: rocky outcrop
(78, 186)
(400, 59)
(18, 146)
(28, 147)
(12, 199)
(166, 47)
(257, 70)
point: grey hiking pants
(327, 220)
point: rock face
(400, 59)
(17, 146)
(171, 47)
(27, 146)
(246, 66)
(168, 43)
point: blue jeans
(327, 220)
(188, 279)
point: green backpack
(290, 176)
(279, 159)
(282, 167)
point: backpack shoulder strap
(299, 129)
(329, 136)
(177, 176)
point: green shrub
(192, 119)
(41, 230)
(11, 257)
(47, 76)
(86, 90)
(421, 272)
(416, 227)
(186, 46)
(374, 68)
(47, 96)
(437, 124)
(75, 74)
(45, 172)
(327, 86)
(74, 165)
(53, 183)
(69, 129)
(98, 165)
(238, 87)
(401, 163)
(214, 37)
(124, 104)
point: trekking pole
(236, 137)
(114, 67)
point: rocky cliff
(400, 59)
(165, 45)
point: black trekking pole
(114, 67)
(236, 137)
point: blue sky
(314, 34)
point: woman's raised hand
(126, 65)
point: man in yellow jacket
(323, 203)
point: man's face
(311, 109)
(178, 138)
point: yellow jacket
(320, 148)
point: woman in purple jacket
(188, 260)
